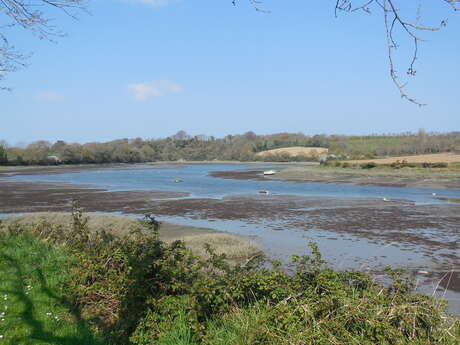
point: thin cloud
(159, 88)
(49, 96)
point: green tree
(3, 155)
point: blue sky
(148, 68)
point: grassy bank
(457, 200)
(133, 288)
(381, 175)
(33, 304)
(236, 249)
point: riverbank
(74, 287)
(236, 248)
(417, 178)
(6, 171)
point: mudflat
(394, 220)
(370, 177)
(22, 197)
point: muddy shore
(436, 180)
(22, 197)
(398, 221)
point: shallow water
(198, 183)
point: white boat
(269, 172)
(264, 191)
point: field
(294, 151)
(429, 158)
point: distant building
(54, 159)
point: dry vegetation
(235, 248)
(429, 158)
(295, 151)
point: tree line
(244, 147)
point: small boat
(269, 172)
(264, 191)
(177, 180)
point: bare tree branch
(394, 20)
(29, 15)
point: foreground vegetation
(33, 304)
(245, 147)
(236, 249)
(136, 289)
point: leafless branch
(394, 20)
(255, 4)
(28, 14)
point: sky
(149, 68)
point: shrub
(434, 165)
(369, 165)
(138, 290)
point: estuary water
(199, 184)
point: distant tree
(181, 135)
(58, 146)
(3, 155)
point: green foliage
(138, 290)
(434, 165)
(232, 147)
(34, 308)
(3, 155)
(369, 165)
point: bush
(137, 290)
(369, 165)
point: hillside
(294, 151)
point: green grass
(383, 170)
(450, 199)
(33, 308)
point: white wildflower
(49, 314)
